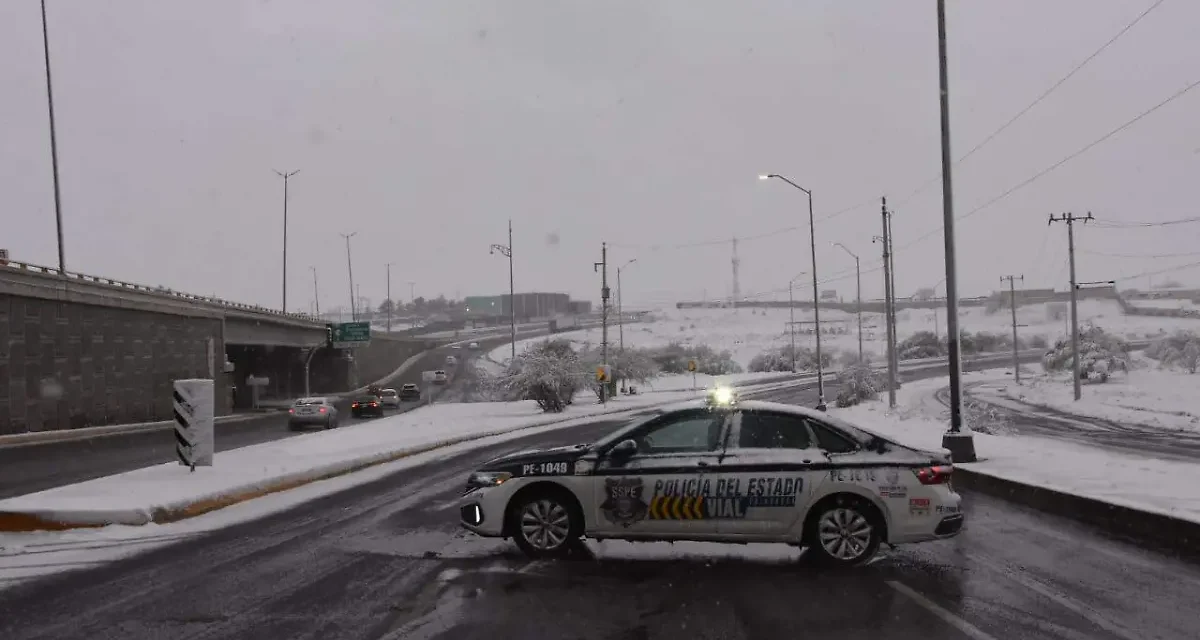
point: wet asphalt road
(35, 467)
(387, 560)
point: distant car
(312, 411)
(409, 392)
(451, 361)
(364, 406)
(389, 398)
(440, 377)
(456, 346)
(473, 345)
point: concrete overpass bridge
(80, 350)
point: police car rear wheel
(544, 525)
(844, 534)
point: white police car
(739, 472)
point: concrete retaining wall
(68, 365)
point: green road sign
(346, 335)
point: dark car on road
(410, 393)
(366, 406)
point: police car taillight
(939, 474)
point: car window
(303, 402)
(831, 441)
(683, 432)
(765, 430)
(366, 399)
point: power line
(1158, 271)
(1141, 255)
(1037, 100)
(1060, 163)
(1118, 224)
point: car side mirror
(623, 450)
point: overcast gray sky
(424, 125)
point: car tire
(844, 531)
(545, 523)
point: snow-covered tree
(859, 382)
(1099, 352)
(922, 344)
(548, 373)
(781, 359)
(627, 365)
(674, 357)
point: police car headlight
(722, 396)
(487, 479)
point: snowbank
(1138, 482)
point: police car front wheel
(544, 524)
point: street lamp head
(763, 176)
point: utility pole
(316, 292)
(285, 177)
(390, 304)
(602, 266)
(887, 302)
(62, 260)
(1012, 302)
(857, 295)
(1071, 219)
(350, 270)
(961, 445)
(792, 319)
(506, 250)
(894, 352)
(412, 291)
(620, 309)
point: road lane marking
(1080, 609)
(967, 628)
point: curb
(30, 521)
(1174, 535)
(87, 433)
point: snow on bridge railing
(154, 291)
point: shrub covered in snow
(674, 357)
(549, 373)
(781, 359)
(859, 382)
(1099, 352)
(1179, 350)
(922, 344)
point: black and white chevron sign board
(193, 404)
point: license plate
(307, 411)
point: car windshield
(389, 393)
(410, 387)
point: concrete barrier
(1164, 532)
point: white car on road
(440, 377)
(737, 472)
(389, 398)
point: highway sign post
(347, 335)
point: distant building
(579, 307)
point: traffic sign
(603, 373)
(692, 366)
(346, 335)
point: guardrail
(25, 267)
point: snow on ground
(747, 332)
(1165, 303)
(1139, 482)
(1147, 395)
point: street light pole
(350, 270)
(961, 445)
(620, 310)
(812, 238)
(316, 293)
(285, 177)
(62, 260)
(792, 317)
(857, 296)
(506, 250)
(390, 304)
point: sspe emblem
(623, 503)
